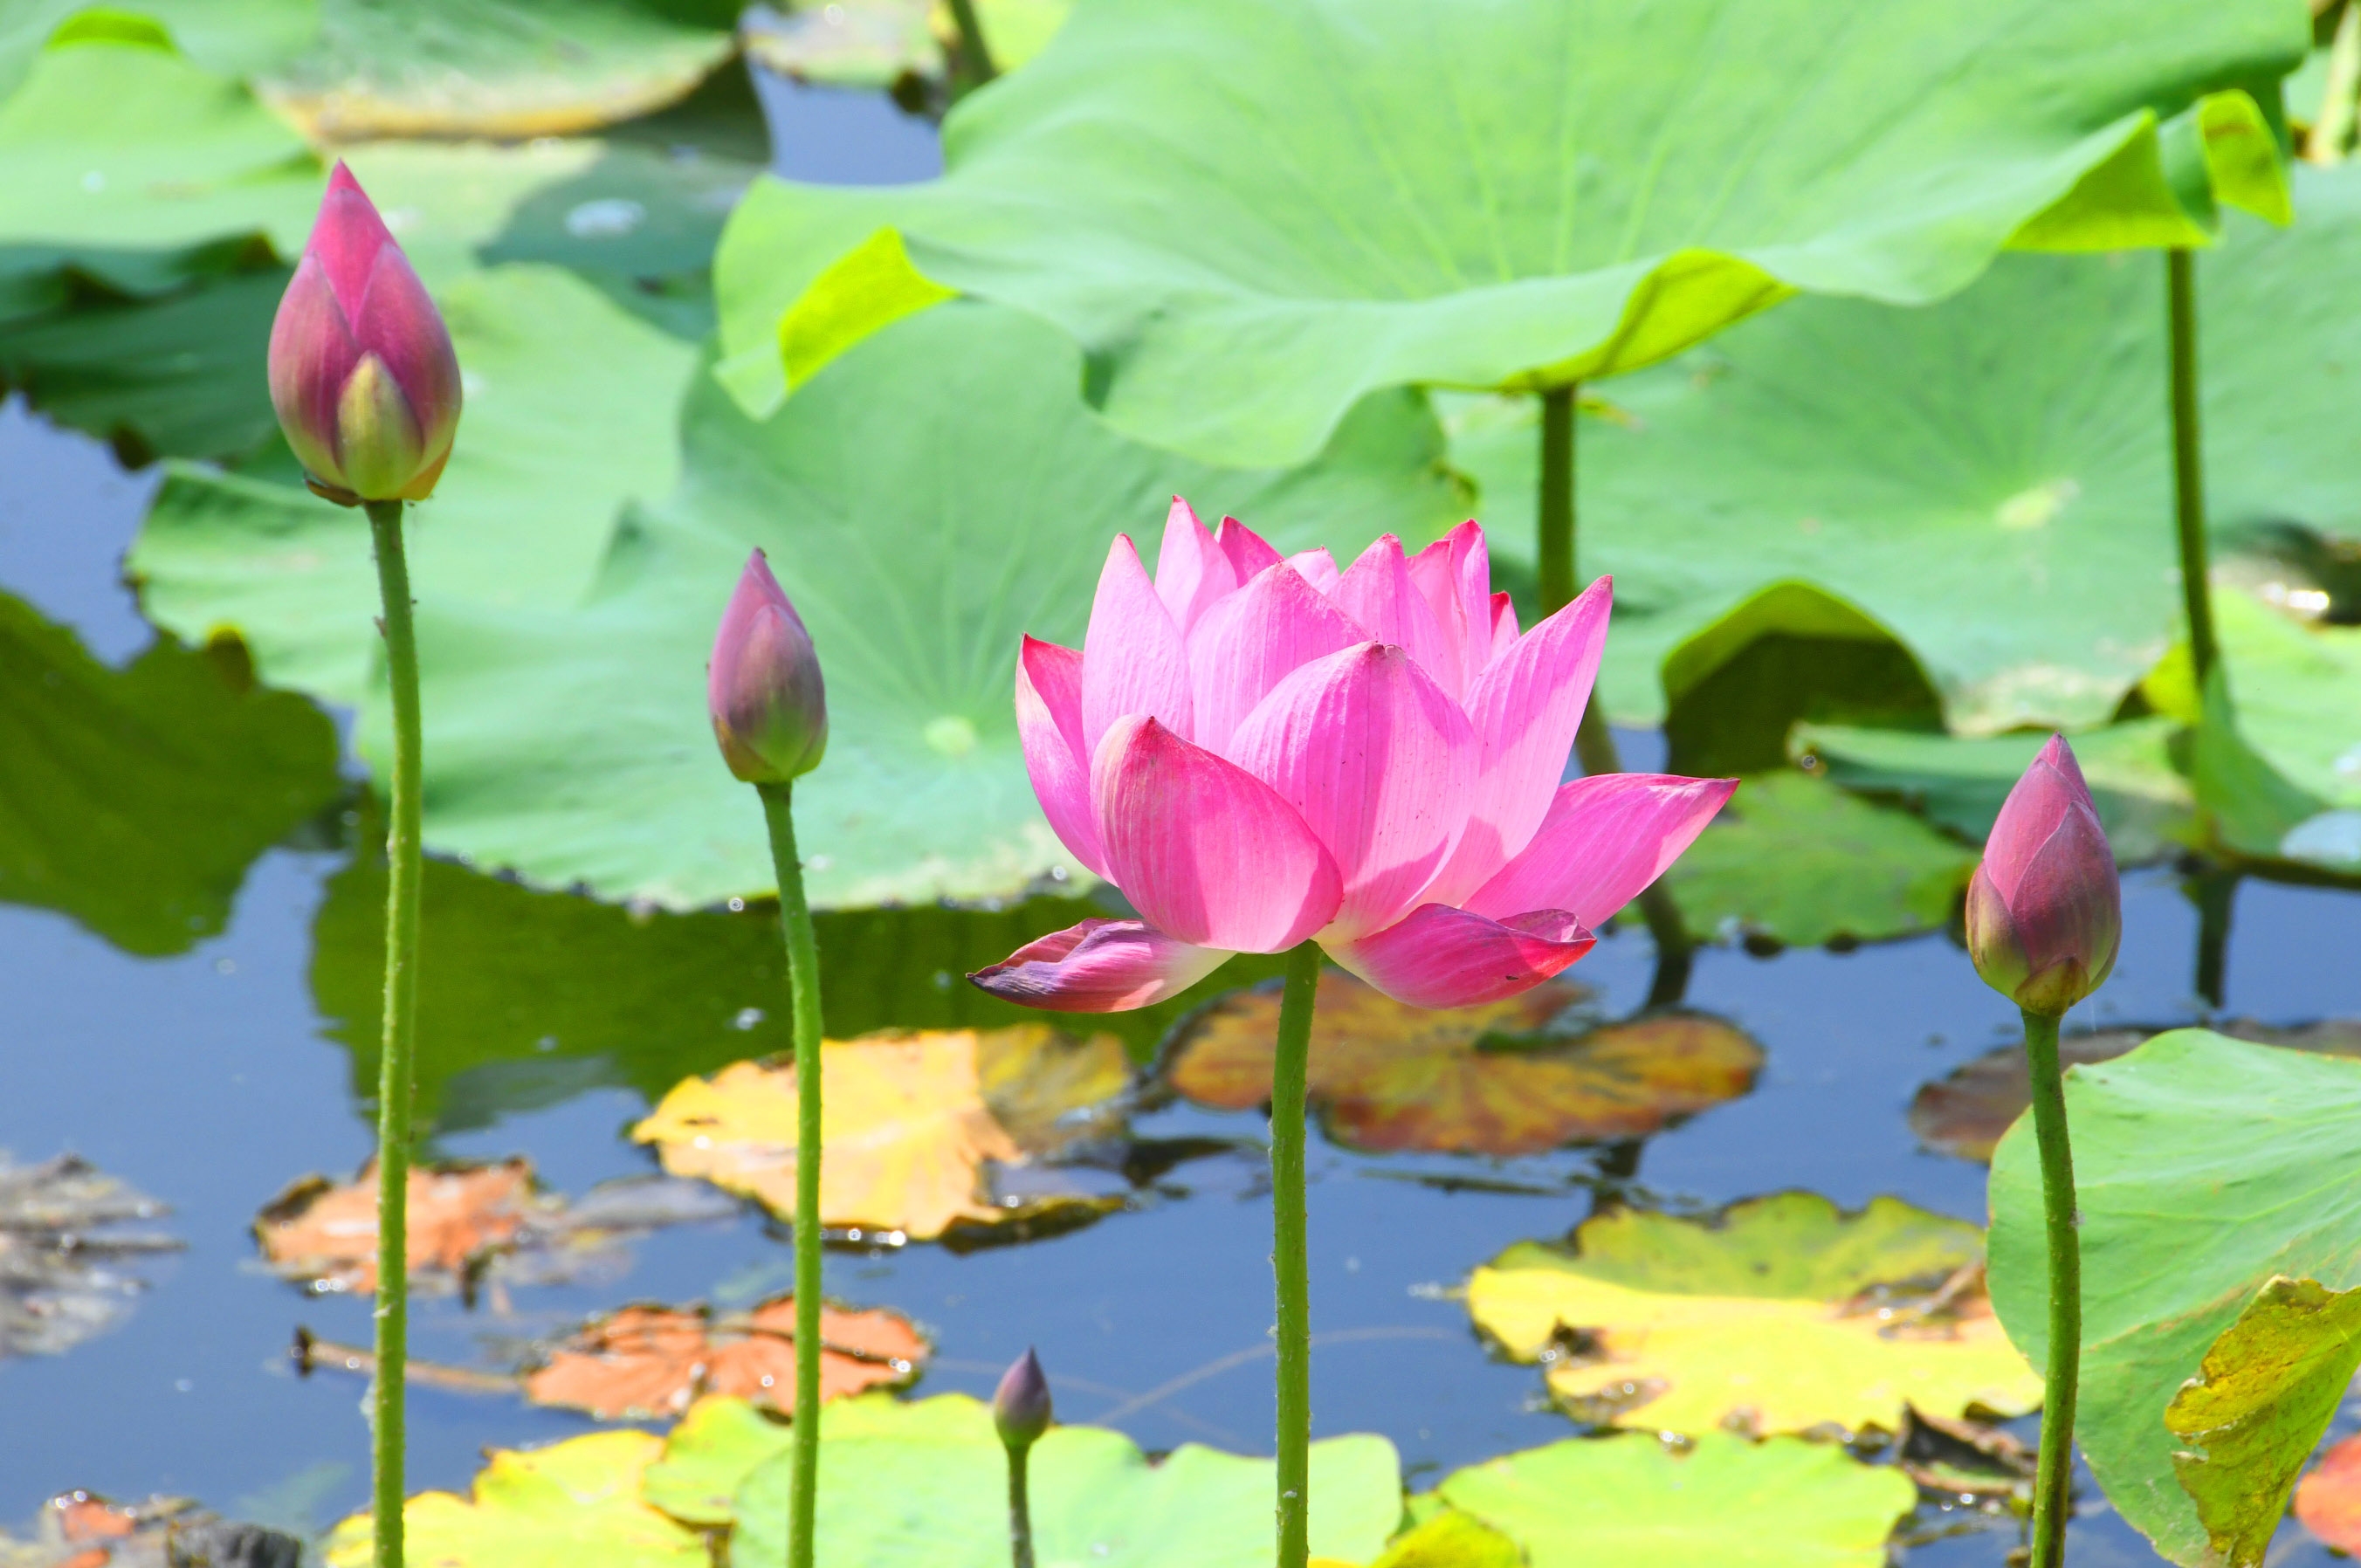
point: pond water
(213, 1077)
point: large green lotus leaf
(1511, 192)
(527, 998)
(2204, 1167)
(570, 411)
(1959, 783)
(230, 38)
(133, 800)
(718, 1442)
(1798, 860)
(934, 1493)
(497, 67)
(937, 495)
(1631, 1502)
(1765, 1317)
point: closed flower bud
(770, 708)
(362, 372)
(2044, 911)
(1021, 1406)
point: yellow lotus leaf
(906, 1126)
(1471, 1080)
(1781, 1315)
(574, 1505)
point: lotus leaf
(1782, 1315)
(2328, 1500)
(914, 1126)
(934, 1496)
(1452, 1540)
(647, 1363)
(230, 38)
(1474, 1080)
(2204, 1167)
(718, 1442)
(573, 1505)
(1631, 1501)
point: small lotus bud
(362, 371)
(769, 705)
(1021, 1407)
(2045, 910)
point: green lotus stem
(2054, 1474)
(1594, 742)
(1020, 1511)
(974, 66)
(394, 1084)
(803, 988)
(2213, 892)
(2333, 126)
(1289, 1072)
(2188, 463)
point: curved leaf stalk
(1594, 743)
(393, 1089)
(803, 986)
(2053, 1475)
(973, 66)
(1288, 1073)
(2187, 464)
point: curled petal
(1377, 592)
(1380, 761)
(1098, 966)
(1192, 572)
(1255, 639)
(1526, 708)
(1207, 852)
(1605, 840)
(1049, 723)
(1442, 957)
(1133, 658)
(1249, 556)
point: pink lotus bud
(1021, 1406)
(2045, 911)
(362, 372)
(770, 708)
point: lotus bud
(362, 371)
(770, 708)
(2044, 911)
(1021, 1406)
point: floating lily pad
(2204, 1167)
(65, 1253)
(647, 1363)
(716, 1443)
(1966, 1112)
(1343, 225)
(1798, 860)
(934, 1495)
(917, 1126)
(1474, 1080)
(1632, 1502)
(1781, 1315)
(510, 69)
(134, 800)
(2328, 1500)
(573, 1504)
(230, 38)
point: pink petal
(1134, 661)
(1191, 570)
(2050, 790)
(1504, 624)
(1526, 707)
(1318, 569)
(1050, 722)
(1377, 592)
(1255, 639)
(398, 322)
(762, 686)
(312, 355)
(1442, 957)
(1099, 966)
(1206, 851)
(1380, 761)
(1605, 838)
(1247, 553)
(347, 237)
(1454, 574)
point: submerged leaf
(1783, 1315)
(647, 1363)
(1631, 1501)
(63, 1252)
(1473, 1080)
(2328, 1500)
(2256, 1408)
(912, 1127)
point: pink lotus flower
(2045, 909)
(763, 687)
(1258, 751)
(362, 372)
